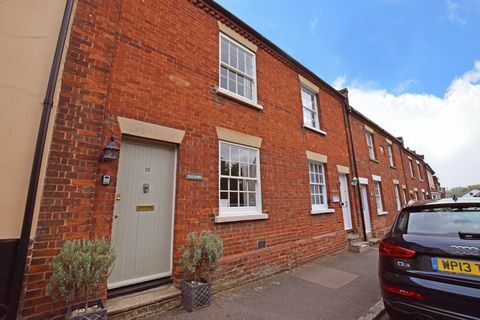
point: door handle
(115, 216)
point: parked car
(429, 264)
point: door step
(359, 247)
(374, 241)
(145, 303)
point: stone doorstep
(144, 303)
(374, 241)
(359, 247)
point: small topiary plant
(201, 254)
(80, 269)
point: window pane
(224, 184)
(232, 81)
(242, 185)
(253, 171)
(224, 51)
(244, 155)
(250, 185)
(223, 78)
(249, 64)
(224, 195)
(243, 199)
(253, 156)
(225, 168)
(241, 60)
(252, 201)
(233, 184)
(233, 55)
(233, 199)
(235, 170)
(225, 151)
(235, 153)
(244, 170)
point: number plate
(468, 267)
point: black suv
(429, 264)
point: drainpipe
(22, 249)
(348, 110)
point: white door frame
(365, 208)
(163, 274)
(345, 202)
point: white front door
(347, 217)
(366, 210)
(143, 215)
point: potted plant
(200, 255)
(78, 271)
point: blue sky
(393, 44)
(411, 66)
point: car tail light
(403, 292)
(389, 250)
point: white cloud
(455, 12)
(312, 24)
(445, 129)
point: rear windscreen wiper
(469, 235)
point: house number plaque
(194, 176)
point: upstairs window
(390, 155)
(371, 149)
(318, 190)
(239, 179)
(310, 110)
(410, 163)
(419, 171)
(237, 69)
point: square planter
(195, 297)
(99, 314)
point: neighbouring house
(217, 128)
(475, 193)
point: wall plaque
(194, 176)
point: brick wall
(380, 223)
(155, 62)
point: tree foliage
(201, 253)
(80, 269)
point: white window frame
(419, 172)
(415, 195)
(246, 210)
(378, 196)
(390, 155)
(318, 207)
(370, 145)
(396, 190)
(405, 201)
(304, 108)
(254, 71)
(410, 162)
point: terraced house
(218, 129)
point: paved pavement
(342, 287)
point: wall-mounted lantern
(111, 151)
(354, 181)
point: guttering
(21, 254)
(348, 110)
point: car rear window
(440, 221)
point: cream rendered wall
(28, 36)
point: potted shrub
(200, 255)
(78, 271)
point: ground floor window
(397, 197)
(318, 190)
(378, 196)
(239, 186)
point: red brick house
(218, 129)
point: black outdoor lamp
(111, 151)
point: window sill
(316, 130)
(375, 160)
(228, 94)
(240, 217)
(321, 211)
(382, 213)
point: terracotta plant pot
(196, 295)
